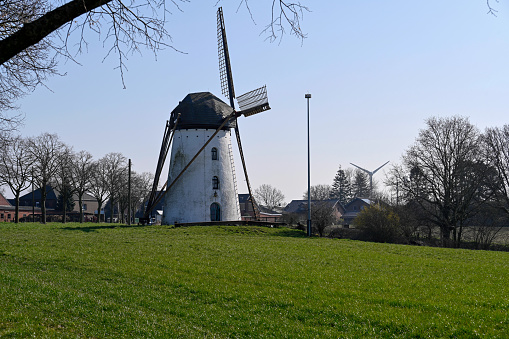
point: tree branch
(33, 32)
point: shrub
(379, 223)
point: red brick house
(8, 211)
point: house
(297, 210)
(247, 213)
(353, 208)
(34, 198)
(8, 211)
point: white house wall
(190, 198)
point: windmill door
(215, 212)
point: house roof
(201, 110)
(300, 206)
(50, 194)
(362, 200)
(3, 201)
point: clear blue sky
(376, 70)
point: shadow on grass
(99, 227)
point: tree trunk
(43, 203)
(99, 205)
(16, 215)
(445, 235)
(112, 208)
(80, 201)
(64, 206)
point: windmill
(201, 179)
(370, 177)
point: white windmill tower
(207, 190)
(201, 184)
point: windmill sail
(225, 70)
(254, 102)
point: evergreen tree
(341, 187)
(360, 184)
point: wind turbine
(370, 176)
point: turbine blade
(380, 167)
(363, 169)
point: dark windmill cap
(201, 111)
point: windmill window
(215, 183)
(215, 212)
(214, 153)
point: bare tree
(99, 184)
(116, 177)
(319, 192)
(141, 184)
(496, 141)
(15, 168)
(82, 167)
(31, 29)
(444, 173)
(323, 215)
(269, 196)
(63, 181)
(44, 152)
(26, 69)
(123, 197)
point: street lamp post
(308, 96)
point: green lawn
(97, 281)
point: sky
(376, 71)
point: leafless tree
(15, 168)
(141, 184)
(269, 196)
(444, 174)
(32, 31)
(323, 215)
(8, 125)
(81, 169)
(485, 227)
(99, 184)
(63, 182)
(319, 192)
(116, 176)
(123, 197)
(44, 152)
(496, 141)
(30, 66)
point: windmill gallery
(202, 184)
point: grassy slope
(218, 282)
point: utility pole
(129, 196)
(308, 96)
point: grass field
(99, 281)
